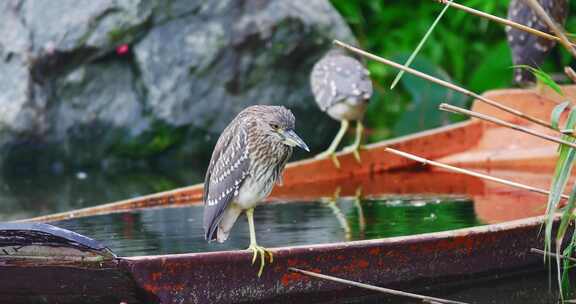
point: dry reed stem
(537, 8)
(470, 172)
(550, 254)
(570, 73)
(503, 21)
(445, 84)
(374, 288)
(454, 109)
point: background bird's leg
(540, 87)
(355, 147)
(254, 247)
(330, 152)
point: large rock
(69, 96)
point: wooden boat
(65, 270)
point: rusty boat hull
(409, 263)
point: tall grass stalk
(567, 156)
(562, 172)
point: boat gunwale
(407, 239)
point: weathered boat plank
(519, 151)
(67, 284)
(47, 264)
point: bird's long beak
(292, 139)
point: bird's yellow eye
(274, 126)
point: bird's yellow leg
(356, 146)
(257, 250)
(331, 151)
(540, 87)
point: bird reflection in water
(332, 203)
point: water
(46, 193)
(179, 230)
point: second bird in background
(528, 49)
(342, 88)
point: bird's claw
(357, 156)
(355, 149)
(330, 154)
(262, 251)
(335, 160)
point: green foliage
(420, 44)
(567, 264)
(489, 74)
(556, 113)
(562, 172)
(567, 156)
(150, 143)
(567, 217)
(423, 111)
(471, 52)
(543, 78)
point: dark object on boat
(41, 263)
(529, 49)
(403, 263)
(20, 235)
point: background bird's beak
(292, 139)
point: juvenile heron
(342, 88)
(247, 160)
(528, 49)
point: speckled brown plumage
(528, 49)
(247, 160)
(339, 78)
(342, 88)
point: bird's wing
(337, 78)
(229, 167)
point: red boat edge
(409, 262)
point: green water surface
(179, 230)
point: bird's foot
(259, 250)
(355, 149)
(330, 154)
